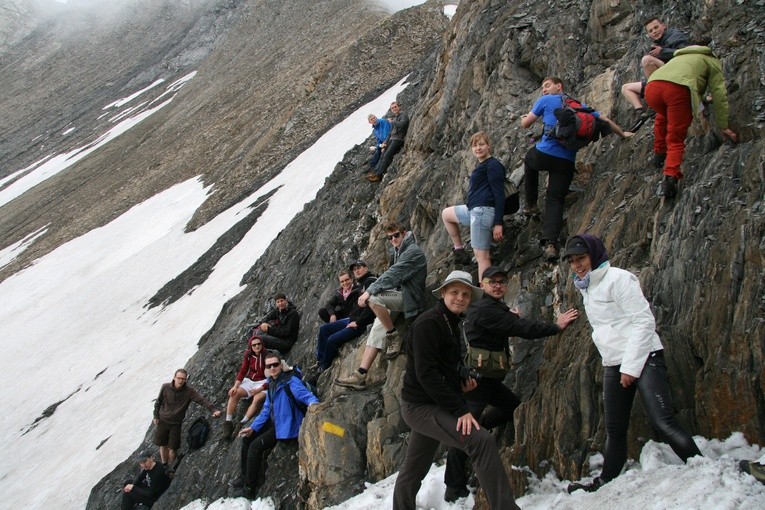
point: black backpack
(298, 374)
(577, 127)
(197, 435)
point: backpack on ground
(577, 127)
(198, 433)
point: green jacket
(697, 68)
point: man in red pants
(674, 92)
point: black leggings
(617, 400)
(254, 449)
(561, 173)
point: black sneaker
(452, 494)
(658, 160)
(594, 485)
(668, 187)
(639, 117)
(236, 484)
(461, 256)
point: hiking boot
(228, 430)
(452, 494)
(658, 160)
(550, 252)
(249, 492)
(373, 177)
(461, 256)
(753, 468)
(594, 485)
(394, 341)
(668, 187)
(356, 381)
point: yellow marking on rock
(333, 429)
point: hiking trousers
(672, 104)
(331, 338)
(560, 172)
(503, 403)
(139, 495)
(657, 403)
(393, 148)
(254, 449)
(273, 342)
(432, 425)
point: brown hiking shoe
(394, 342)
(461, 256)
(373, 177)
(550, 252)
(356, 381)
(228, 430)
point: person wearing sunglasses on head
(250, 382)
(280, 420)
(400, 289)
(488, 326)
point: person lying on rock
(333, 335)
(250, 382)
(280, 327)
(280, 420)
(400, 289)
(624, 332)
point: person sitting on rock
(380, 130)
(170, 409)
(485, 206)
(333, 335)
(488, 325)
(250, 382)
(342, 301)
(407, 273)
(393, 144)
(280, 420)
(548, 155)
(148, 486)
(674, 91)
(280, 327)
(664, 43)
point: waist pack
(491, 364)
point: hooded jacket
(623, 326)
(283, 323)
(253, 365)
(340, 306)
(408, 273)
(363, 316)
(697, 68)
(672, 40)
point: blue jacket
(487, 188)
(381, 130)
(287, 417)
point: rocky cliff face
(700, 261)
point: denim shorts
(481, 221)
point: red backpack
(577, 126)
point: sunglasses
(394, 235)
(273, 365)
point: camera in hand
(468, 372)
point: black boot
(594, 485)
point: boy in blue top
(279, 420)
(381, 129)
(550, 156)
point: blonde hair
(480, 136)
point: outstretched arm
(528, 119)
(616, 128)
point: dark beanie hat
(587, 243)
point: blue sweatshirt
(487, 188)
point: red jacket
(253, 366)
